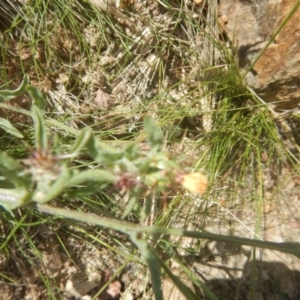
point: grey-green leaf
(155, 136)
(82, 140)
(44, 195)
(12, 198)
(41, 141)
(6, 95)
(101, 176)
(10, 169)
(102, 153)
(9, 128)
(37, 97)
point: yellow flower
(194, 182)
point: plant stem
(134, 229)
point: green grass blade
(152, 261)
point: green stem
(130, 228)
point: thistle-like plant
(47, 174)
